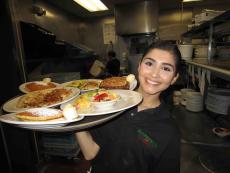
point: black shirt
(138, 142)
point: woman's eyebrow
(150, 59)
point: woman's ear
(174, 78)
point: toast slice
(115, 83)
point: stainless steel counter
(201, 150)
(196, 128)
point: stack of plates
(194, 101)
(218, 101)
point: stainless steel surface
(75, 9)
(203, 159)
(18, 52)
(221, 72)
(201, 150)
(196, 128)
(133, 61)
(136, 18)
(210, 43)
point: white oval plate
(128, 99)
(23, 89)
(11, 105)
(12, 119)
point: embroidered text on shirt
(146, 139)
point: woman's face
(156, 71)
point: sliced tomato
(100, 97)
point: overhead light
(190, 0)
(92, 5)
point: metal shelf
(202, 30)
(222, 72)
(216, 26)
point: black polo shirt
(138, 142)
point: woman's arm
(88, 146)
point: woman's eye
(149, 63)
(167, 69)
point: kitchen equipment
(201, 51)
(186, 51)
(218, 101)
(136, 18)
(223, 52)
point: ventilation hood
(136, 18)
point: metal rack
(218, 26)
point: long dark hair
(167, 46)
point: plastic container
(186, 51)
(218, 101)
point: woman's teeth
(153, 82)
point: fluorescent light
(190, 0)
(92, 5)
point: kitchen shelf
(216, 27)
(219, 68)
(202, 31)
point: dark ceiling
(73, 8)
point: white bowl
(186, 51)
(221, 132)
(105, 104)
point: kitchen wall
(65, 26)
(172, 23)
(90, 32)
(62, 24)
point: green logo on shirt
(146, 139)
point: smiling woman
(148, 126)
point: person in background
(113, 65)
(144, 138)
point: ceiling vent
(136, 18)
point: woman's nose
(155, 71)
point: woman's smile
(152, 82)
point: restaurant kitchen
(61, 40)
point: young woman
(145, 138)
